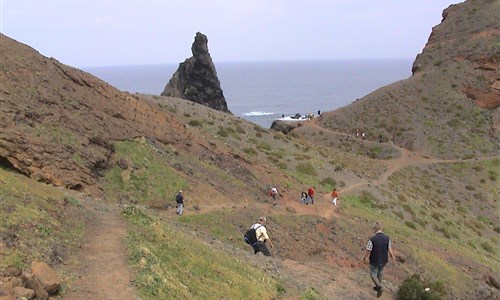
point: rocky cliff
(58, 123)
(196, 78)
(449, 107)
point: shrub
(306, 168)
(487, 246)
(195, 123)
(410, 224)
(414, 288)
(250, 151)
(437, 216)
(367, 199)
(328, 182)
(399, 214)
(264, 146)
(462, 209)
(222, 132)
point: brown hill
(59, 123)
(63, 126)
(449, 107)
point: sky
(89, 33)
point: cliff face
(468, 34)
(58, 123)
(449, 107)
(196, 78)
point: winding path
(102, 269)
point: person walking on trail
(335, 195)
(303, 198)
(262, 238)
(378, 249)
(179, 199)
(310, 193)
(273, 192)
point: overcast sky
(85, 33)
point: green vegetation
(306, 168)
(414, 288)
(311, 294)
(195, 123)
(328, 183)
(33, 218)
(215, 224)
(173, 265)
(250, 151)
(147, 180)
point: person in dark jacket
(378, 249)
(179, 199)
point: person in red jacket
(335, 195)
(310, 193)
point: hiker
(179, 199)
(310, 193)
(357, 132)
(363, 135)
(335, 195)
(378, 248)
(273, 192)
(262, 238)
(303, 198)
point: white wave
(257, 113)
(293, 119)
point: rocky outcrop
(40, 283)
(283, 126)
(58, 124)
(450, 106)
(196, 78)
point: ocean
(261, 92)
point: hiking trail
(101, 265)
(103, 272)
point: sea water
(261, 92)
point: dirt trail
(103, 272)
(101, 268)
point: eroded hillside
(449, 107)
(119, 159)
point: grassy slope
(37, 221)
(425, 199)
(173, 264)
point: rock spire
(196, 78)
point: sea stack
(196, 78)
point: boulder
(6, 288)
(493, 281)
(32, 282)
(47, 276)
(22, 292)
(284, 126)
(196, 78)
(12, 271)
(7, 297)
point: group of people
(380, 138)
(308, 197)
(377, 251)
(360, 134)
